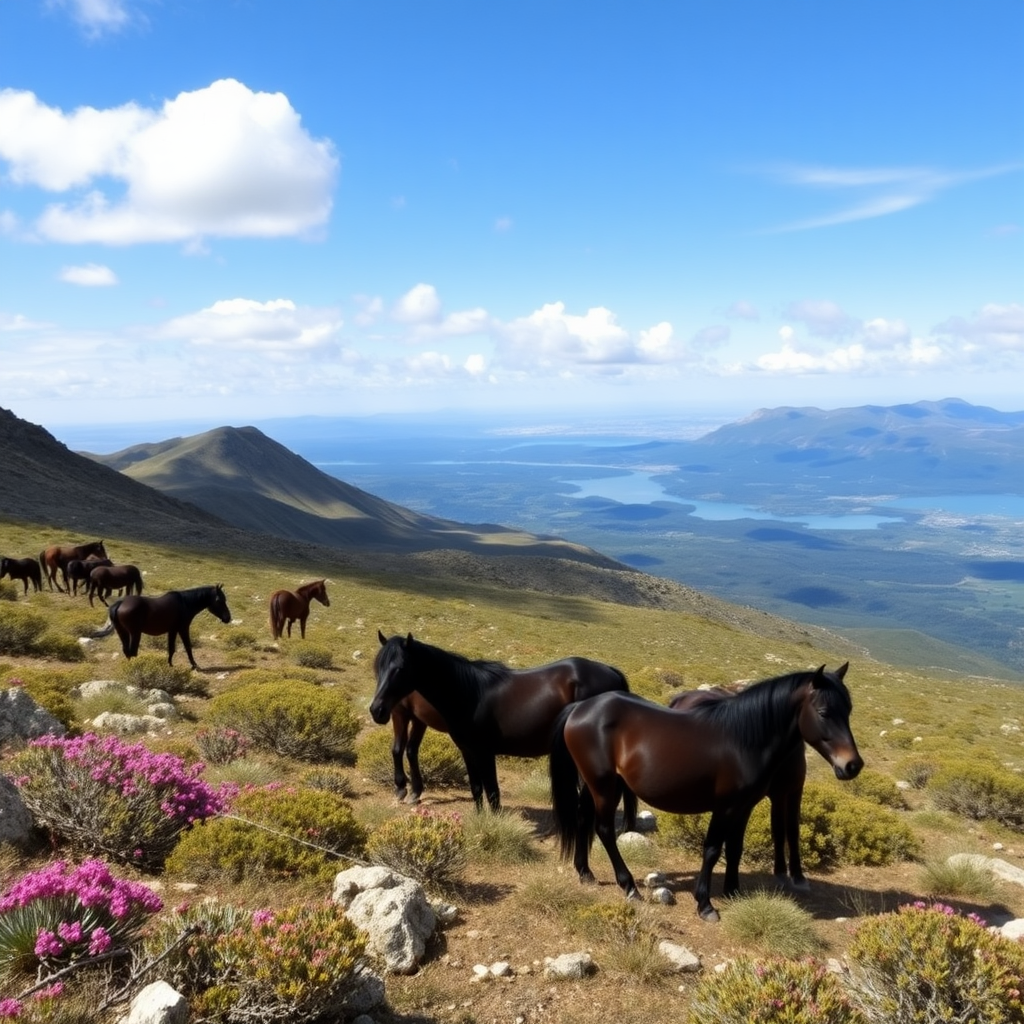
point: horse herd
(717, 751)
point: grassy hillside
(524, 911)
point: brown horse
(55, 559)
(286, 607)
(171, 613)
(721, 756)
(410, 719)
(785, 792)
(78, 570)
(24, 569)
(105, 579)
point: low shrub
(331, 780)
(918, 771)
(878, 788)
(59, 915)
(503, 837)
(422, 844)
(20, 628)
(980, 791)
(151, 672)
(247, 678)
(310, 656)
(928, 965)
(957, 878)
(221, 745)
(241, 639)
(8, 591)
(441, 763)
(276, 832)
(102, 795)
(771, 992)
(770, 922)
(631, 945)
(292, 719)
(299, 964)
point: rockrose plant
(102, 795)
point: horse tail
(629, 806)
(110, 626)
(565, 793)
(273, 617)
(46, 571)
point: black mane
(436, 660)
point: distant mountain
(250, 481)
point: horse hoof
(587, 878)
(800, 884)
(710, 915)
(634, 896)
(413, 798)
(400, 795)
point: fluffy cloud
(90, 275)
(420, 305)
(220, 161)
(823, 319)
(96, 17)
(995, 327)
(277, 328)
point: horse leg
(605, 802)
(476, 783)
(416, 733)
(490, 779)
(302, 627)
(778, 802)
(584, 836)
(186, 642)
(399, 727)
(736, 830)
(714, 839)
(792, 809)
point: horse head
(219, 604)
(393, 683)
(321, 594)
(825, 721)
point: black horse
(24, 569)
(171, 613)
(721, 757)
(488, 708)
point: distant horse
(487, 708)
(77, 571)
(105, 579)
(24, 569)
(55, 559)
(785, 791)
(171, 613)
(720, 756)
(286, 607)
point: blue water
(1009, 505)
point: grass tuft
(770, 923)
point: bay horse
(720, 756)
(24, 569)
(486, 707)
(287, 606)
(785, 792)
(54, 559)
(410, 719)
(105, 579)
(171, 613)
(77, 571)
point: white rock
(634, 839)
(15, 819)
(157, 1004)
(501, 969)
(654, 879)
(481, 971)
(572, 966)
(683, 960)
(22, 718)
(1013, 930)
(664, 895)
(646, 821)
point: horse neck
(445, 680)
(763, 717)
(308, 591)
(195, 600)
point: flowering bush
(925, 964)
(105, 796)
(298, 964)
(221, 745)
(53, 917)
(423, 844)
(775, 991)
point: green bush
(58, 646)
(770, 922)
(878, 788)
(927, 965)
(979, 791)
(241, 640)
(331, 780)
(774, 991)
(151, 672)
(422, 844)
(276, 832)
(310, 656)
(501, 837)
(292, 719)
(298, 964)
(249, 677)
(630, 944)
(918, 771)
(836, 828)
(8, 591)
(20, 628)
(441, 763)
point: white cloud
(823, 319)
(995, 327)
(97, 17)
(277, 327)
(475, 365)
(370, 308)
(90, 275)
(551, 336)
(419, 305)
(881, 333)
(657, 344)
(219, 161)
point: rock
(572, 966)
(1000, 868)
(1013, 929)
(501, 969)
(392, 910)
(662, 894)
(446, 913)
(15, 819)
(646, 822)
(683, 961)
(21, 718)
(127, 725)
(480, 971)
(634, 839)
(367, 994)
(654, 879)
(157, 1004)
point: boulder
(21, 718)
(15, 819)
(572, 966)
(157, 1004)
(394, 912)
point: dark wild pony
(286, 607)
(105, 579)
(77, 571)
(54, 560)
(410, 719)
(720, 756)
(171, 613)
(785, 792)
(486, 707)
(24, 569)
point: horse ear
(818, 677)
(408, 640)
(382, 638)
(841, 671)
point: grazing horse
(720, 756)
(55, 559)
(105, 579)
(286, 607)
(24, 569)
(171, 613)
(785, 792)
(487, 708)
(77, 571)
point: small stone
(501, 969)
(654, 879)
(481, 971)
(664, 895)
(682, 959)
(997, 846)
(646, 822)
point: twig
(146, 968)
(70, 969)
(296, 839)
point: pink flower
(9, 1009)
(100, 941)
(47, 944)
(51, 991)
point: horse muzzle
(379, 713)
(847, 770)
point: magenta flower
(9, 1009)
(100, 941)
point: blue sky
(244, 209)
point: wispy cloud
(875, 192)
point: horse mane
(761, 709)
(466, 672)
